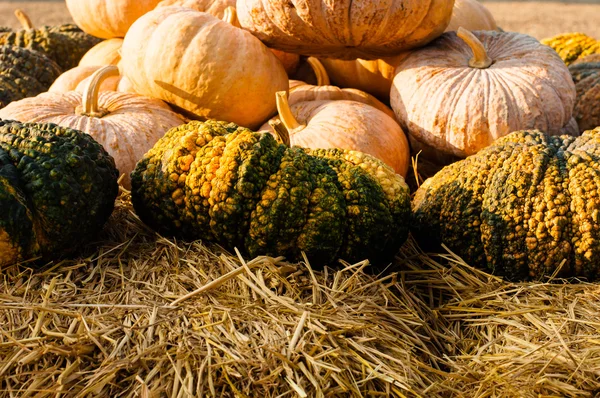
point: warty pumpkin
(345, 124)
(466, 90)
(375, 76)
(64, 44)
(525, 207)
(185, 58)
(127, 125)
(57, 189)
(107, 52)
(586, 76)
(108, 18)
(572, 46)
(223, 183)
(24, 73)
(368, 29)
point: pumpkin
(586, 76)
(72, 79)
(127, 125)
(572, 46)
(525, 207)
(57, 189)
(223, 183)
(108, 18)
(289, 61)
(107, 52)
(64, 44)
(314, 71)
(368, 29)
(213, 7)
(185, 58)
(375, 76)
(466, 90)
(471, 15)
(345, 124)
(24, 73)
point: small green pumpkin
(586, 75)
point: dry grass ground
(537, 18)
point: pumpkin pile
(206, 108)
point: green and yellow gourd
(573, 46)
(586, 75)
(223, 183)
(24, 73)
(64, 44)
(57, 189)
(527, 206)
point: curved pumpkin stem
(24, 19)
(230, 16)
(285, 113)
(283, 135)
(320, 71)
(480, 59)
(91, 91)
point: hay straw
(139, 315)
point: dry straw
(140, 315)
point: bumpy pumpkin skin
(64, 44)
(203, 76)
(108, 18)
(520, 207)
(573, 46)
(24, 73)
(223, 183)
(127, 125)
(455, 109)
(586, 76)
(58, 186)
(107, 52)
(345, 29)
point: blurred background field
(537, 18)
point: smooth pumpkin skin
(127, 126)
(107, 52)
(456, 109)
(376, 76)
(185, 57)
(108, 18)
(471, 15)
(353, 126)
(345, 29)
(213, 7)
(72, 79)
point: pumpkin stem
(285, 113)
(480, 59)
(24, 19)
(92, 89)
(230, 16)
(320, 71)
(281, 132)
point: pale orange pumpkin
(465, 90)
(205, 67)
(71, 80)
(375, 76)
(213, 7)
(368, 29)
(289, 61)
(471, 15)
(108, 18)
(127, 125)
(344, 124)
(107, 52)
